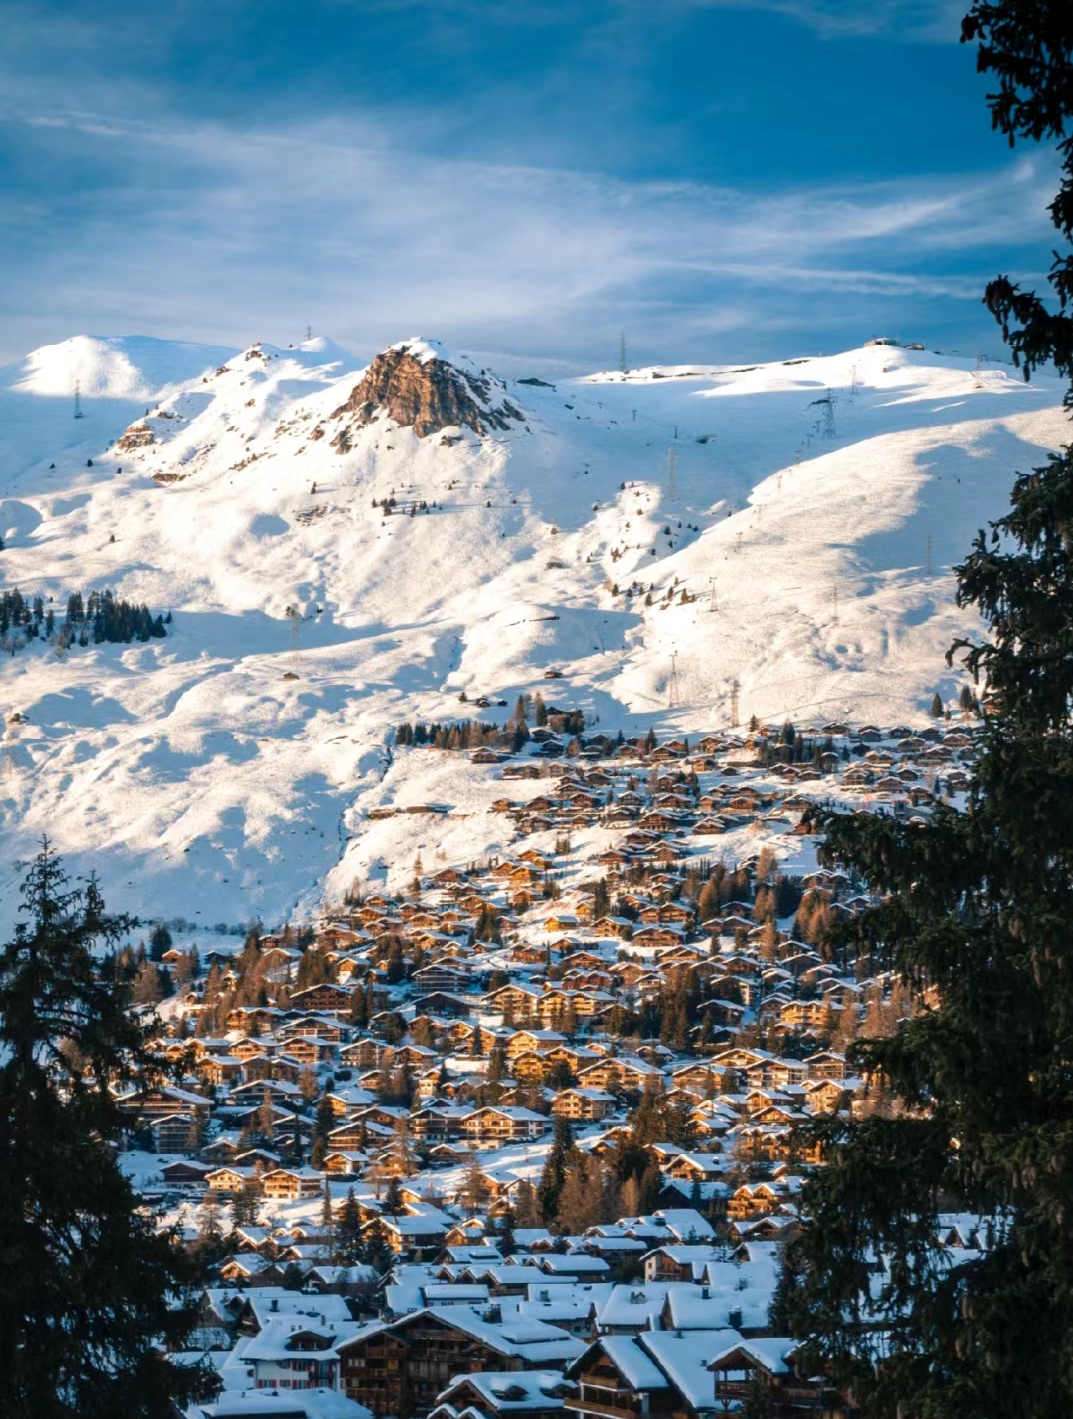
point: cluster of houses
(539, 1331)
(714, 785)
(450, 1028)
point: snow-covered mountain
(809, 511)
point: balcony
(590, 1406)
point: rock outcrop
(413, 386)
(139, 435)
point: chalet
(407, 1233)
(294, 1352)
(616, 1378)
(291, 1184)
(525, 1041)
(618, 1073)
(416, 1357)
(173, 1134)
(529, 1394)
(496, 1125)
(163, 1102)
(584, 1104)
(764, 1368)
(440, 976)
(827, 1064)
(342, 1162)
(367, 1053)
(327, 996)
(232, 1179)
(696, 1167)
(186, 1174)
(519, 1000)
(246, 1267)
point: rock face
(416, 388)
(139, 435)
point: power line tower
(713, 606)
(735, 705)
(78, 401)
(309, 332)
(825, 424)
(295, 617)
(675, 688)
(672, 475)
(853, 383)
(622, 361)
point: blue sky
(523, 180)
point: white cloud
(345, 225)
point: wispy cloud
(172, 177)
(194, 227)
(935, 21)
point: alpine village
(529, 1137)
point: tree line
(99, 617)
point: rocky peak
(414, 385)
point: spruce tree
(553, 1174)
(348, 1241)
(92, 1295)
(507, 1242)
(975, 919)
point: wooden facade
(405, 1367)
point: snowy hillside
(809, 510)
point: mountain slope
(810, 511)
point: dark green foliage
(88, 1287)
(159, 941)
(245, 1205)
(488, 926)
(554, 1172)
(662, 1120)
(109, 619)
(393, 1203)
(348, 1231)
(19, 614)
(99, 616)
(977, 909)
(1028, 46)
(314, 968)
(459, 734)
(601, 899)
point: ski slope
(811, 511)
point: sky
(528, 181)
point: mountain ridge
(657, 538)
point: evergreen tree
(581, 1195)
(245, 1205)
(348, 1233)
(393, 1203)
(472, 1191)
(976, 911)
(527, 1212)
(159, 941)
(649, 1189)
(553, 1174)
(90, 1289)
(507, 1241)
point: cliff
(416, 388)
